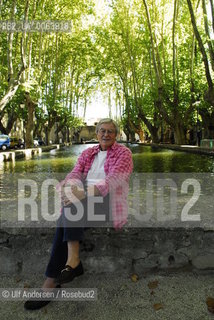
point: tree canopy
(153, 58)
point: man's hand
(93, 191)
(72, 194)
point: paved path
(181, 297)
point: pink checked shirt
(118, 168)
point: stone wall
(105, 250)
(87, 133)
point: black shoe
(37, 304)
(69, 273)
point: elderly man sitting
(103, 171)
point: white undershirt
(96, 172)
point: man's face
(106, 135)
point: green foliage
(120, 52)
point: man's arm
(71, 187)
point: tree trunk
(68, 134)
(30, 120)
(13, 82)
(212, 14)
(208, 123)
(154, 135)
(179, 134)
(209, 40)
(85, 106)
(47, 135)
(141, 135)
(209, 95)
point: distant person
(172, 137)
(199, 137)
(104, 170)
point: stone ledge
(26, 153)
(106, 250)
(183, 148)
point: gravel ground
(176, 295)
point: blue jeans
(71, 231)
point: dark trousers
(73, 231)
